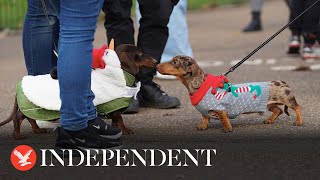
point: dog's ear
(196, 76)
(128, 63)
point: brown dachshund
(192, 76)
(132, 60)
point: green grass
(198, 4)
(12, 13)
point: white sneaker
(166, 77)
(316, 50)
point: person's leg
(153, 31)
(39, 36)
(309, 29)
(118, 22)
(296, 8)
(153, 35)
(119, 25)
(178, 41)
(77, 26)
(255, 23)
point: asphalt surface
(253, 151)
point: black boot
(133, 108)
(152, 96)
(255, 24)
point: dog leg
(35, 128)
(118, 122)
(297, 109)
(223, 116)
(17, 120)
(276, 113)
(204, 123)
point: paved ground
(252, 151)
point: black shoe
(133, 108)
(151, 95)
(105, 130)
(255, 24)
(85, 139)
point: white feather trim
(107, 84)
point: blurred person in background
(255, 23)
(178, 41)
(306, 26)
(256, 7)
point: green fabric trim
(35, 112)
(31, 110)
(119, 103)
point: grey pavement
(253, 151)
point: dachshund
(199, 85)
(132, 59)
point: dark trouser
(309, 22)
(153, 30)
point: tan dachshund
(192, 76)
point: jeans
(178, 40)
(307, 23)
(39, 36)
(77, 26)
(153, 30)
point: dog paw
(268, 121)
(40, 131)
(226, 130)
(297, 123)
(202, 127)
(17, 136)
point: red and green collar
(210, 81)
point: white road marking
(291, 67)
(255, 62)
(283, 68)
(271, 61)
(315, 67)
(210, 63)
(248, 62)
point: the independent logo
(23, 157)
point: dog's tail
(15, 109)
(286, 110)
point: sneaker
(105, 130)
(308, 53)
(152, 96)
(85, 139)
(294, 45)
(165, 77)
(316, 50)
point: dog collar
(210, 81)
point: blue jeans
(78, 21)
(39, 36)
(178, 40)
(77, 27)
